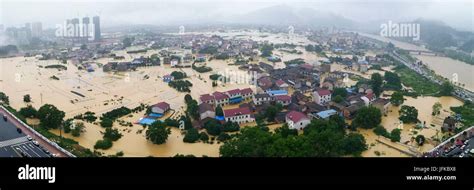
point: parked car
(4, 117)
(36, 143)
(18, 130)
(29, 138)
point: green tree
(4, 98)
(171, 122)
(436, 108)
(112, 134)
(219, 111)
(354, 144)
(397, 98)
(285, 131)
(381, 131)
(215, 76)
(320, 138)
(50, 117)
(78, 129)
(367, 118)
(28, 111)
(252, 142)
(191, 136)
(271, 112)
(408, 114)
(213, 127)
(230, 127)
(188, 98)
(395, 135)
(339, 92)
(223, 137)
(187, 122)
(26, 98)
(67, 125)
(393, 81)
(106, 122)
(178, 75)
(376, 83)
(446, 89)
(203, 137)
(420, 140)
(193, 109)
(103, 144)
(338, 99)
(157, 133)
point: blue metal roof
(155, 115)
(220, 118)
(277, 92)
(327, 113)
(147, 121)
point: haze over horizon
(457, 14)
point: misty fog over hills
(444, 26)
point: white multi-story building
(238, 115)
(297, 120)
(322, 96)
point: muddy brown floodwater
(433, 124)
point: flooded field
(432, 129)
(255, 35)
(104, 91)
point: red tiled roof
(162, 105)
(265, 81)
(236, 111)
(246, 91)
(283, 98)
(232, 92)
(307, 66)
(296, 116)
(323, 92)
(205, 107)
(370, 96)
(206, 97)
(280, 82)
(219, 96)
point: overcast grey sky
(456, 13)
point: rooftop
(296, 116)
(236, 111)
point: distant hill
(435, 34)
(283, 15)
(468, 46)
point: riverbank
(444, 66)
